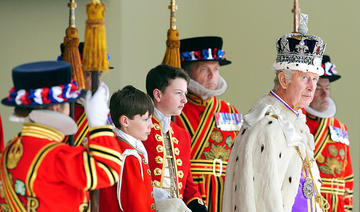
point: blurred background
(136, 36)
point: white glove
(173, 205)
(160, 193)
(96, 107)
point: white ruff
(205, 93)
(55, 120)
(330, 112)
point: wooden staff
(296, 16)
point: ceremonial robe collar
(272, 93)
(330, 112)
(205, 93)
(164, 120)
(135, 143)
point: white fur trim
(330, 112)
(317, 69)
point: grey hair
(288, 74)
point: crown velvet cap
(42, 83)
(296, 51)
(207, 48)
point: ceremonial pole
(72, 55)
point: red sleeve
(90, 168)
(135, 194)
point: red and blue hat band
(44, 96)
(203, 55)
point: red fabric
(61, 180)
(210, 187)
(331, 166)
(136, 192)
(187, 189)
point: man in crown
(332, 151)
(39, 172)
(212, 123)
(271, 166)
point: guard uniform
(210, 146)
(212, 123)
(332, 150)
(185, 188)
(332, 155)
(134, 190)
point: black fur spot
(280, 155)
(235, 187)
(242, 133)
(262, 148)
(237, 158)
(270, 122)
(290, 179)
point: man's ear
(157, 95)
(124, 121)
(55, 108)
(284, 83)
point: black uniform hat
(202, 49)
(329, 69)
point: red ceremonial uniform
(210, 146)
(136, 192)
(180, 144)
(332, 155)
(40, 173)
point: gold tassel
(172, 54)
(95, 54)
(71, 54)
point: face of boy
(139, 127)
(172, 100)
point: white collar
(205, 93)
(329, 112)
(135, 143)
(164, 120)
(53, 119)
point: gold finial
(173, 8)
(72, 6)
(296, 12)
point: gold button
(180, 174)
(156, 183)
(152, 194)
(180, 185)
(175, 140)
(159, 159)
(159, 148)
(179, 162)
(180, 196)
(157, 171)
(144, 161)
(156, 127)
(153, 206)
(158, 137)
(177, 151)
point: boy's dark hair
(130, 102)
(160, 76)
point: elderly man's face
(206, 73)
(300, 90)
(322, 94)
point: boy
(131, 111)
(168, 145)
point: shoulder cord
(323, 203)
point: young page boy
(131, 111)
(168, 145)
